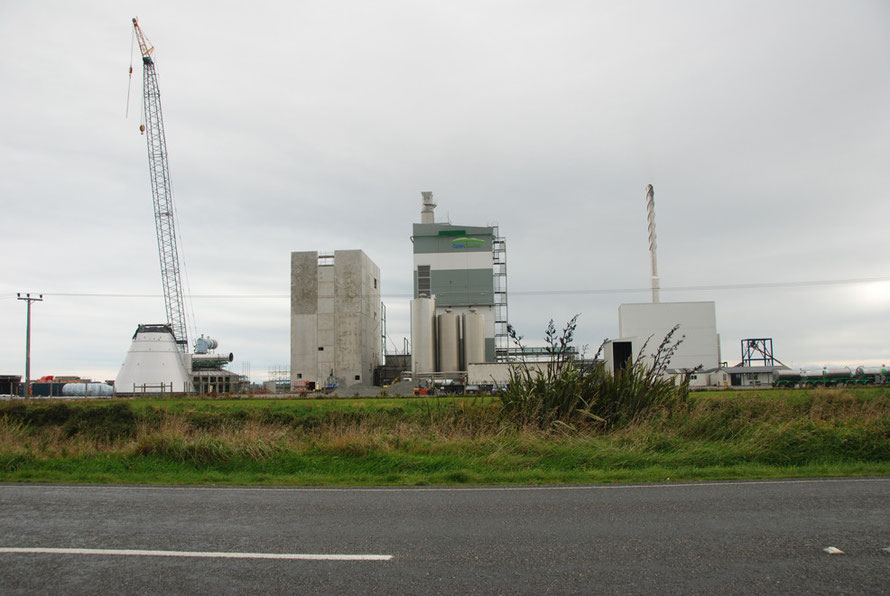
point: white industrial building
(335, 319)
(651, 322)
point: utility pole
(29, 299)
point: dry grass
(465, 438)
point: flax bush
(566, 393)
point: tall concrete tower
(335, 319)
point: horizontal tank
(449, 342)
(837, 372)
(788, 375)
(205, 344)
(87, 390)
(811, 373)
(423, 335)
(870, 371)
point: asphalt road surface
(719, 537)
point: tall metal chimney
(650, 209)
(429, 206)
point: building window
(423, 280)
(358, 377)
(375, 283)
(299, 375)
(321, 348)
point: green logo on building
(466, 242)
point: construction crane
(162, 193)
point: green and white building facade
(461, 273)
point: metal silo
(423, 335)
(449, 342)
(474, 337)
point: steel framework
(758, 351)
(162, 194)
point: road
(724, 537)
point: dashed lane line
(193, 554)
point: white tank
(474, 338)
(423, 335)
(836, 372)
(87, 390)
(862, 371)
(449, 342)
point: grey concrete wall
(335, 318)
(304, 316)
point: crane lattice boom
(162, 194)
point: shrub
(567, 393)
(100, 422)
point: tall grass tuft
(566, 394)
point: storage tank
(423, 335)
(87, 390)
(474, 338)
(865, 371)
(811, 373)
(205, 344)
(836, 372)
(449, 342)
(787, 376)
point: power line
(594, 291)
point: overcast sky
(764, 127)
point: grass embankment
(828, 432)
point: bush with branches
(566, 392)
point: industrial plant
(459, 322)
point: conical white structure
(154, 364)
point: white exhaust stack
(429, 206)
(650, 209)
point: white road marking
(831, 550)
(197, 554)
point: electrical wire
(695, 288)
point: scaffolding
(499, 260)
(279, 376)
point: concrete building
(462, 270)
(335, 319)
(638, 323)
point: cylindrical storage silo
(423, 335)
(474, 338)
(449, 342)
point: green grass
(446, 441)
